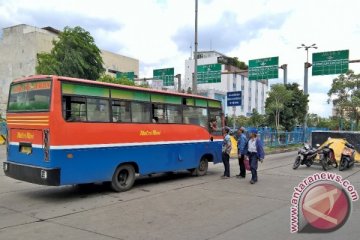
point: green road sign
(210, 73)
(326, 63)
(264, 68)
(166, 74)
(128, 75)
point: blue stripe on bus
(98, 164)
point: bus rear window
(30, 96)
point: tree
(256, 119)
(111, 79)
(123, 81)
(275, 103)
(74, 55)
(189, 90)
(233, 62)
(295, 109)
(345, 95)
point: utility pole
(194, 85)
(307, 65)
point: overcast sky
(160, 32)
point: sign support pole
(194, 84)
(234, 117)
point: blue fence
(272, 138)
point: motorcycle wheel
(309, 163)
(297, 162)
(324, 163)
(334, 163)
(342, 165)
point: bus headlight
(43, 174)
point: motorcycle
(347, 157)
(306, 156)
(327, 157)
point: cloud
(227, 33)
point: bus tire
(123, 178)
(201, 170)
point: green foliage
(256, 119)
(286, 106)
(276, 102)
(295, 109)
(233, 62)
(122, 81)
(345, 95)
(110, 79)
(74, 55)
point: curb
(281, 151)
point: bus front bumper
(37, 175)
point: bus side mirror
(211, 139)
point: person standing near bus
(255, 151)
(226, 149)
(241, 143)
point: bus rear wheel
(123, 178)
(201, 170)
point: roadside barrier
(2, 139)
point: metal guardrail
(272, 138)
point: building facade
(253, 92)
(20, 45)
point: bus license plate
(25, 149)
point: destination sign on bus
(30, 86)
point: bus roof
(92, 82)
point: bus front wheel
(201, 170)
(123, 178)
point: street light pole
(307, 65)
(194, 85)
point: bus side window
(215, 123)
(196, 116)
(159, 113)
(173, 113)
(98, 110)
(74, 109)
(140, 112)
(121, 111)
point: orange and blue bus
(67, 131)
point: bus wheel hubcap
(123, 176)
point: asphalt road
(165, 206)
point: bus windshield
(30, 96)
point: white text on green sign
(334, 62)
(264, 68)
(166, 74)
(209, 73)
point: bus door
(216, 136)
